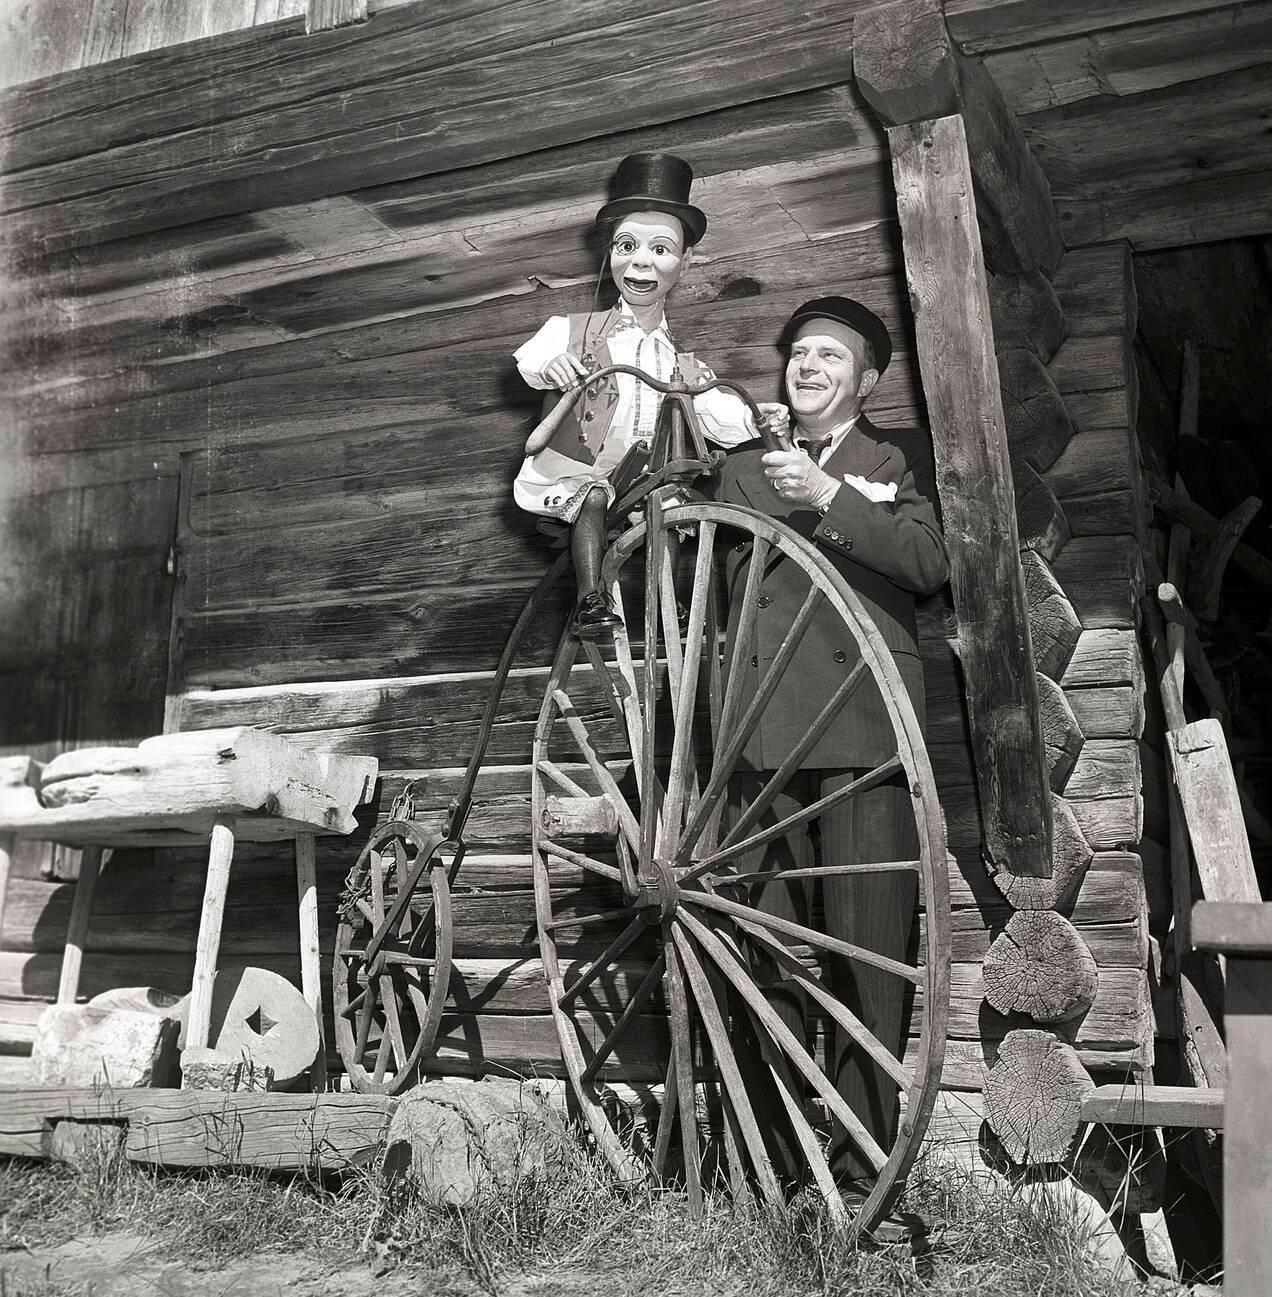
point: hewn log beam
(948, 285)
(909, 70)
(273, 116)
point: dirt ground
(130, 1265)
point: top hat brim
(692, 218)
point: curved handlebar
(556, 416)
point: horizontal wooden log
(1096, 472)
(1033, 1097)
(1103, 576)
(1105, 656)
(263, 90)
(982, 25)
(1040, 966)
(277, 1132)
(1169, 196)
(1096, 290)
(1113, 713)
(1054, 623)
(1038, 422)
(1155, 1105)
(1171, 48)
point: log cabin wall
(332, 380)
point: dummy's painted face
(647, 254)
(827, 377)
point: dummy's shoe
(895, 1228)
(594, 616)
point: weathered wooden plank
(1150, 54)
(421, 104)
(1232, 927)
(281, 1132)
(1105, 657)
(981, 25)
(947, 281)
(1116, 712)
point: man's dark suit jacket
(887, 552)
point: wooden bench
(216, 786)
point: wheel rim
(387, 1014)
(641, 957)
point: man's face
(647, 254)
(826, 377)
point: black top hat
(655, 182)
(856, 316)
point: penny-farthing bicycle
(650, 927)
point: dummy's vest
(584, 429)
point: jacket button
(589, 416)
(847, 541)
(740, 547)
(840, 655)
(755, 659)
(764, 601)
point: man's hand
(564, 371)
(797, 479)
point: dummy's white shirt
(554, 484)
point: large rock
(87, 1045)
(458, 1140)
(210, 1069)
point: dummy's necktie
(815, 448)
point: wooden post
(310, 957)
(6, 862)
(1243, 932)
(220, 854)
(77, 928)
(960, 379)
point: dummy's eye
(664, 250)
(624, 247)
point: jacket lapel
(861, 453)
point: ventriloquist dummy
(650, 228)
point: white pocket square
(876, 491)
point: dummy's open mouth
(639, 285)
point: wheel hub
(657, 892)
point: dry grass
(986, 1238)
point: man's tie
(815, 447)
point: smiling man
(865, 497)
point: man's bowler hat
(655, 182)
(845, 311)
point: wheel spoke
(842, 1015)
(744, 634)
(579, 859)
(783, 1036)
(735, 1087)
(682, 1051)
(715, 694)
(723, 765)
(811, 1149)
(628, 1016)
(686, 688)
(795, 759)
(820, 871)
(732, 848)
(809, 935)
(602, 962)
(627, 821)
(666, 1116)
(631, 703)
(614, 696)
(655, 556)
(587, 920)
(388, 994)
(559, 777)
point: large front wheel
(677, 961)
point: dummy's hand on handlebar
(564, 371)
(798, 480)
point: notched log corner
(1033, 1097)
(1039, 965)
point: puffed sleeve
(552, 339)
(725, 419)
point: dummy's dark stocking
(594, 614)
